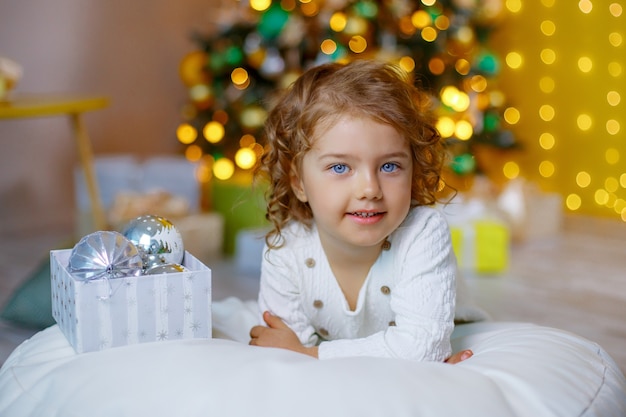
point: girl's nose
(369, 186)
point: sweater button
(392, 323)
(323, 332)
(385, 290)
(318, 304)
(386, 245)
(309, 262)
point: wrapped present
(103, 313)
(531, 213)
(481, 238)
(481, 246)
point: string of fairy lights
(449, 47)
(569, 98)
(235, 71)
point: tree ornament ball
(105, 254)
(165, 269)
(158, 241)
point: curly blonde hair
(316, 101)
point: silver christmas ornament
(165, 269)
(106, 255)
(157, 240)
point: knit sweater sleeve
(422, 299)
(280, 293)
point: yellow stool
(74, 107)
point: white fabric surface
(412, 285)
(517, 370)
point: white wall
(126, 50)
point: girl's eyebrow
(399, 154)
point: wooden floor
(575, 281)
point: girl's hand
(278, 335)
(459, 356)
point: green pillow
(31, 306)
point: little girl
(356, 263)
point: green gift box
(242, 205)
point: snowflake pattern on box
(97, 314)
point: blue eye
(339, 168)
(389, 167)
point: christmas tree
(263, 45)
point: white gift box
(103, 313)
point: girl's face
(357, 181)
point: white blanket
(517, 370)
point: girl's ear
(298, 187)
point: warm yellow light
(186, 133)
(445, 127)
(463, 130)
(497, 98)
(355, 26)
(612, 156)
(514, 6)
(546, 169)
(622, 180)
(193, 153)
(611, 184)
(548, 3)
(421, 19)
(338, 21)
(436, 66)
(406, 26)
(583, 179)
(245, 158)
(260, 5)
(613, 98)
(585, 6)
(514, 60)
(200, 92)
(455, 99)
(478, 83)
(613, 127)
(309, 8)
(253, 117)
(601, 197)
(213, 131)
(546, 112)
(442, 22)
(247, 140)
(615, 9)
(429, 34)
(223, 168)
(357, 44)
(511, 170)
(573, 202)
(511, 115)
(328, 46)
(548, 27)
(462, 66)
(407, 63)
(548, 56)
(584, 122)
(546, 84)
(615, 39)
(239, 76)
(547, 141)
(585, 64)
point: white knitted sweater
(405, 308)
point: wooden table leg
(86, 159)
